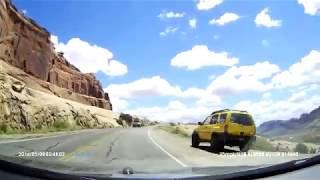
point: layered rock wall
(26, 45)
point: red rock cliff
(26, 45)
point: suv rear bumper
(235, 140)
(136, 125)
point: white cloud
(200, 56)
(89, 58)
(208, 4)
(193, 23)
(225, 19)
(175, 111)
(304, 72)
(297, 97)
(264, 19)
(192, 93)
(54, 40)
(144, 87)
(266, 95)
(312, 87)
(175, 105)
(122, 94)
(203, 96)
(209, 100)
(311, 7)
(284, 109)
(170, 15)
(169, 30)
(24, 11)
(243, 79)
(118, 104)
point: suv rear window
(243, 119)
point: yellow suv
(226, 127)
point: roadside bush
(181, 132)
(262, 144)
(119, 121)
(312, 138)
(127, 118)
(313, 151)
(301, 148)
(3, 128)
(6, 129)
(172, 124)
(175, 130)
(61, 124)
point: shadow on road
(225, 150)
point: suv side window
(214, 119)
(223, 118)
(207, 120)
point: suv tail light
(226, 128)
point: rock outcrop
(23, 109)
(27, 46)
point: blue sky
(249, 57)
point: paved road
(110, 150)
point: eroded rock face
(11, 108)
(26, 45)
(21, 110)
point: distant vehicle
(226, 127)
(136, 123)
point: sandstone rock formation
(27, 46)
(23, 109)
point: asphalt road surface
(148, 150)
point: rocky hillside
(27, 46)
(307, 126)
(23, 109)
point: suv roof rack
(224, 110)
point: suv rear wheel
(246, 146)
(195, 140)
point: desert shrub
(3, 128)
(181, 131)
(172, 124)
(301, 148)
(175, 130)
(313, 150)
(126, 117)
(6, 129)
(262, 144)
(61, 124)
(119, 121)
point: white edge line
(162, 149)
(31, 139)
